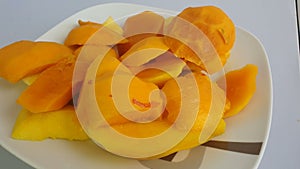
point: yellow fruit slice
(30, 79)
(240, 87)
(191, 140)
(61, 124)
(111, 24)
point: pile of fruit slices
(48, 67)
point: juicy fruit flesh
(241, 87)
(57, 124)
(149, 88)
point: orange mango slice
(138, 96)
(213, 32)
(25, 58)
(139, 27)
(52, 90)
(144, 51)
(93, 34)
(143, 23)
(240, 88)
(191, 140)
(202, 105)
(60, 124)
(160, 69)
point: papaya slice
(60, 124)
(240, 88)
(52, 90)
(25, 58)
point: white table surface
(273, 22)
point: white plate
(250, 127)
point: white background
(272, 21)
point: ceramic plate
(242, 145)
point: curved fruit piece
(61, 124)
(240, 87)
(191, 140)
(93, 34)
(144, 23)
(138, 95)
(144, 51)
(214, 24)
(149, 24)
(30, 79)
(25, 58)
(207, 90)
(111, 24)
(160, 69)
(52, 90)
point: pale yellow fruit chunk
(61, 124)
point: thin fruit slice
(160, 69)
(144, 51)
(52, 90)
(93, 34)
(30, 79)
(25, 58)
(240, 88)
(61, 124)
(139, 27)
(111, 24)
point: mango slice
(191, 140)
(52, 90)
(61, 124)
(111, 24)
(139, 27)
(212, 25)
(25, 58)
(240, 87)
(212, 20)
(160, 69)
(138, 96)
(143, 23)
(206, 89)
(30, 79)
(93, 34)
(144, 51)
